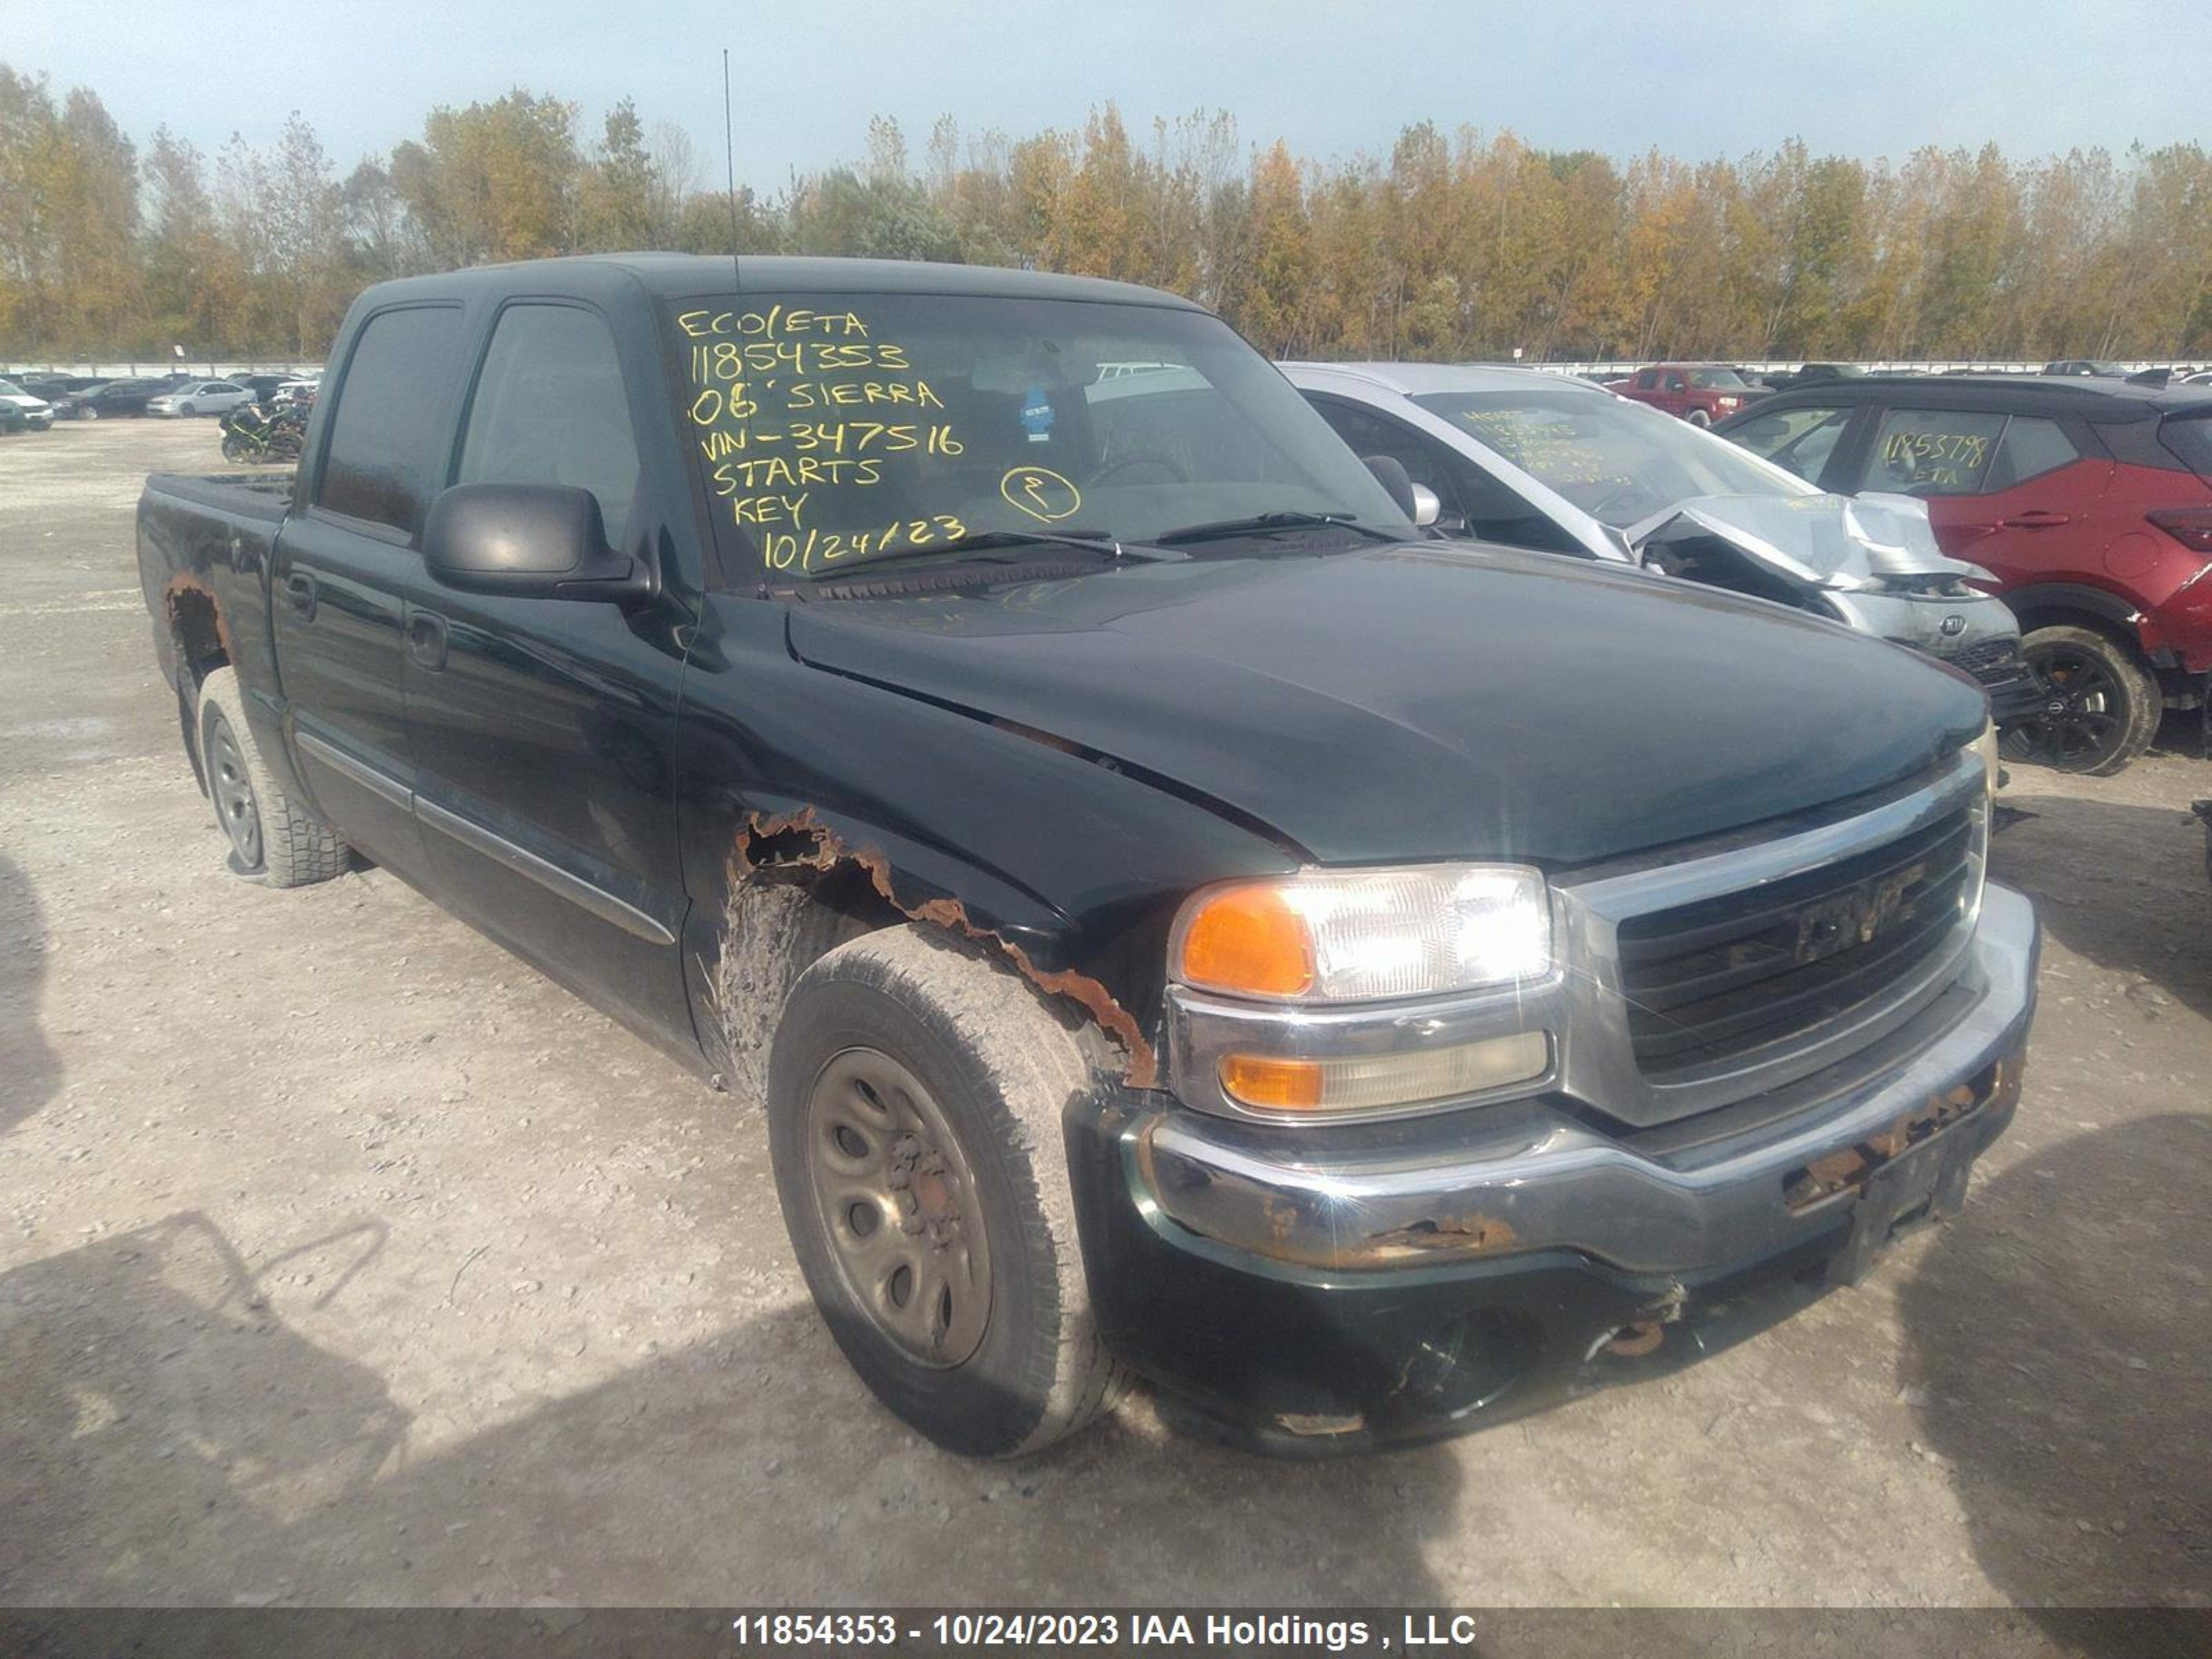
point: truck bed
(266, 496)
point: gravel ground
(343, 1259)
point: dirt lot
(344, 1259)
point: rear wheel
(270, 836)
(1698, 417)
(2100, 706)
(915, 1094)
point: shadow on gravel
(2059, 1337)
(29, 1070)
(166, 1437)
(2123, 886)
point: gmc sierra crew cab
(1178, 921)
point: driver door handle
(2035, 518)
(300, 590)
(426, 639)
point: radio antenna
(730, 165)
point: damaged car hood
(1414, 702)
(1822, 541)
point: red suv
(1700, 393)
(2090, 501)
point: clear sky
(1696, 78)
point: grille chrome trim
(1598, 1063)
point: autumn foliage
(1455, 245)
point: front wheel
(187, 409)
(233, 447)
(1698, 417)
(89, 413)
(914, 1102)
(271, 836)
(2100, 706)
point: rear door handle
(300, 589)
(426, 639)
(2035, 518)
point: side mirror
(528, 541)
(1427, 507)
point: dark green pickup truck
(1177, 918)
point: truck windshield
(835, 428)
(1617, 460)
(1721, 379)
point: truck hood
(1844, 541)
(1410, 702)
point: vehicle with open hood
(1543, 461)
(1177, 919)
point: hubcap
(234, 793)
(2083, 719)
(897, 1199)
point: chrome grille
(1708, 981)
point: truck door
(343, 565)
(543, 729)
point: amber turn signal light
(1247, 939)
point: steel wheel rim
(2084, 718)
(895, 1198)
(234, 793)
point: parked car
(54, 387)
(2096, 367)
(38, 414)
(200, 397)
(13, 420)
(1180, 920)
(1536, 461)
(2090, 500)
(1813, 375)
(263, 387)
(110, 400)
(1699, 393)
(301, 392)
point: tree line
(1455, 245)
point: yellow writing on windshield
(797, 407)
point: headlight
(1358, 935)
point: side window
(1676, 383)
(1801, 439)
(1647, 380)
(2031, 447)
(549, 408)
(384, 441)
(1933, 452)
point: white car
(1522, 459)
(200, 397)
(38, 413)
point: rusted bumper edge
(1529, 1249)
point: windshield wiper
(1001, 549)
(1263, 521)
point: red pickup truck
(1699, 393)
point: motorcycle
(253, 434)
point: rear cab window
(386, 448)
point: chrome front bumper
(1725, 1186)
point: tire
(185, 409)
(88, 413)
(270, 837)
(2102, 705)
(1698, 417)
(1006, 1369)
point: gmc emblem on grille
(1857, 915)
